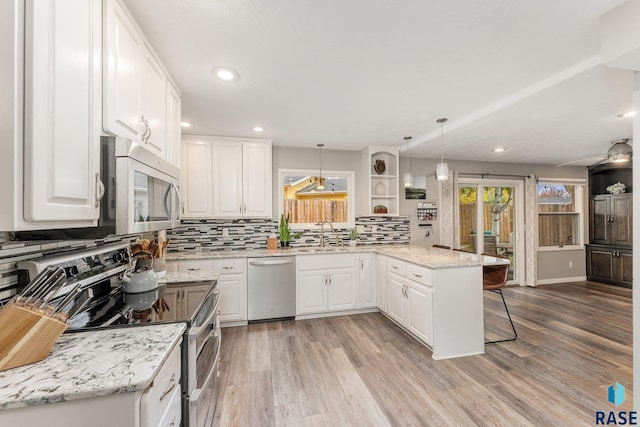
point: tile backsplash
(236, 234)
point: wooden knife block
(26, 336)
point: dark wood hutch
(610, 249)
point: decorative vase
(380, 189)
(284, 244)
(353, 243)
(379, 167)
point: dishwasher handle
(270, 261)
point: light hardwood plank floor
(574, 341)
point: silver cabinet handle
(172, 384)
(329, 280)
(175, 187)
(227, 268)
(244, 208)
(193, 269)
(394, 267)
(417, 275)
(99, 190)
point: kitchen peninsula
(434, 294)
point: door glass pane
(468, 213)
(497, 232)
(499, 223)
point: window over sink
(301, 196)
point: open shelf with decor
(382, 169)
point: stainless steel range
(98, 272)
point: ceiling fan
(620, 151)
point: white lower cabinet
(182, 300)
(326, 283)
(232, 284)
(410, 303)
(367, 280)
(381, 283)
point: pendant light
(408, 176)
(442, 170)
(320, 185)
(620, 151)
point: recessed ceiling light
(629, 114)
(225, 73)
(499, 150)
(185, 124)
(258, 128)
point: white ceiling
(521, 74)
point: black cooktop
(110, 306)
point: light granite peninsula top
(91, 364)
(427, 257)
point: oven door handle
(196, 330)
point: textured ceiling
(520, 74)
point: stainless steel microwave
(142, 193)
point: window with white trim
(560, 209)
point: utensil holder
(27, 335)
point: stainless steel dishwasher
(272, 288)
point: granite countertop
(91, 364)
(427, 257)
(188, 277)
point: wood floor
(574, 340)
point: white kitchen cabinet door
(312, 292)
(174, 129)
(395, 298)
(153, 129)
(172, 298)
(367, 280)
(256, 180)
(192, 296)
(381, 282)
(233, 297)
(227, 179)
(196, 179)
(123, 56)
(342, 290)
(62, 110)
(419, 313)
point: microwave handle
(175, 187)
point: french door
(491, 220)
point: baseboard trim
(336, 313)
(562, 280)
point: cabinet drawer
(196, 265)
(420, 274)
(173, 415)
(230, 266)
(397, 266)
(322, 262)
(157, 397)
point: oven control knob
(119, 256)
(72, 271)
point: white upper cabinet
(242, 178)
(256, 179)
(174, 131)
(62, 95)
(154, 106)
(123, 55)
(196, 179)
(227, 179)
(139, 100)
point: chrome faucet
(321, 224)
